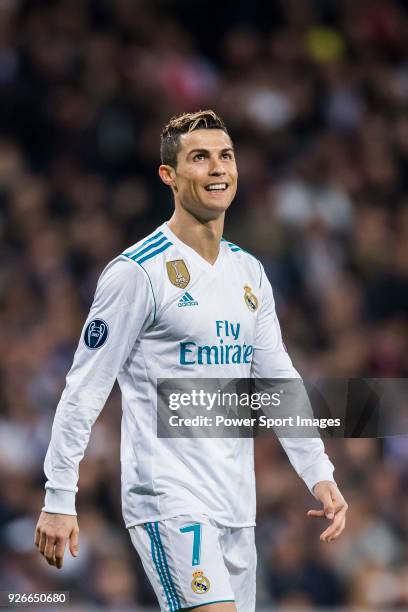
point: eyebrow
(225, 150)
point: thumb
(328, 506)
(73, 543)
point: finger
(328, 505)
(73, 543)
(49, 553)
(329, 537)
(333, 527)
(59, 552)
(37, 536)
(339, 529)
(337, 533)
(316, 513)
(43, 540)
(334, 530)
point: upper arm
(270, 359)
(123, 305)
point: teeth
(218, 186)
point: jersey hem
(208, 603)
(164, 517)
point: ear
(168, 175)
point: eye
(227, 156)
(199, 157)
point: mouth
(217, 187)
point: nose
(216, 167)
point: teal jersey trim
(158, 566)
(234, 248)
(166, 566)
(151, 239)
(208, 603)
(160, 563)
(150, 247)
(141, 260)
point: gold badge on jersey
(250, 299)
(200, 583)
(178, 273)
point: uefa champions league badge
(96, 334)
(200, 583)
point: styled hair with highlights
(187, 122)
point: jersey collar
(191, 254)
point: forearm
(309, 459)
(70, 435)
(89, 383)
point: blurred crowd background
(315, 94)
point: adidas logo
(187, 300)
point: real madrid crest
(200, 583)
(178, 273)
(250, 299)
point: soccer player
(159, 309)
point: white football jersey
(158, 310)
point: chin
(220, 205)
(214, 208)
(207, 211)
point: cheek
(191, 188)
(234, 185)
(196, 187)
(186, 184)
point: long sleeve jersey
(157, 310)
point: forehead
(211, 139)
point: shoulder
(244, 258)
(240, 252)
(147, 254)
(122, 283)
(129, 267)
(148, 249)
(121, 276)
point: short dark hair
(187, 122)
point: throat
(204, 239)
(209, 254)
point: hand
(334, 509)
(52, 533)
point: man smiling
(169, 307)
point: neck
(202, 236)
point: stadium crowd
(315, 94)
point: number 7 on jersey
(196, 529)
